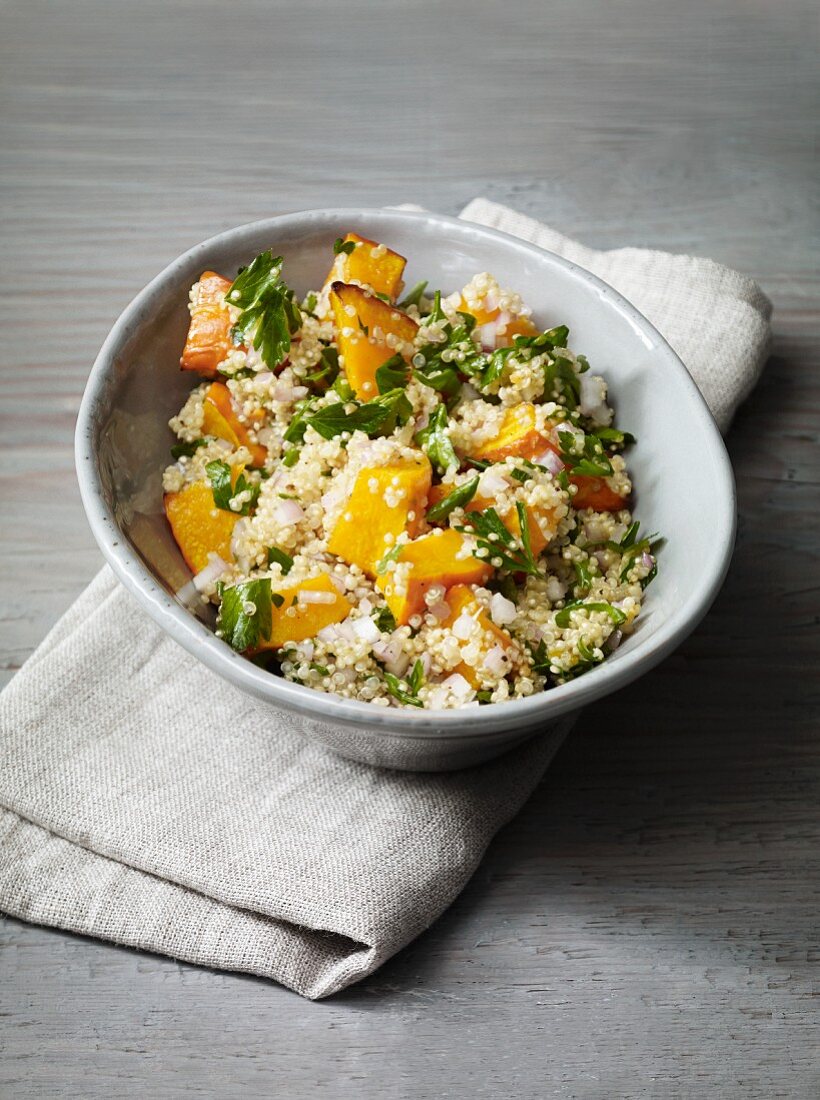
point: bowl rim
(475, 722)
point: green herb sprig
(269, 313)
(406, 691)
(460, 497)
(220, 475)
(500, 545)
(187, 449)
(562, 617)
(280, 558)
(246, 613)
(435, 440)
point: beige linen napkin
(147, 802)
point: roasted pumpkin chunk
(515, 326)
(385, 501)
(443, 558)
(594, 492)
(369, 263)
(308, 607)
(209, 334)
(368, 332)
(199, 527)
(462, 601)
(517, 437)
(220, 420)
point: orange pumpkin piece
(516, 326)
(539, 520)
(517, 437)
(209, 334)
(199, 527)
(369, 263)
(385, 501)
(438, 558)
(594, 492)
(363, 324)
(309, 607)
(461, 600)
(220, 420)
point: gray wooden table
(648, 926)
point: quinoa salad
(410, 498)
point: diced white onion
(469, 393)
(399, 666)
(366, 629)
(613, 641)
(440, 609)
(267, 436)
(463, 626)
(593, 399)
(387, 651)
(332, 498)
(286, 393)
(492, 484)
(458, 685)
(210, 574)
(495, 661)
(487, 334)
(237, 535)
(289, 512)
(502, 610)
(555, 590)
(552, 461)
(328, 634)
(188, 594)
(565, 427)
(647, 560)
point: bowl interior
(683, 484)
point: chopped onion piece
(495, 661)
(464, 626)
(502, 610)
(211, 573)
(487, 334)
(366, 629)
(440, 609)
(492, 484)
(613, 641)
(289, 512)
(593, 399)
(552, 461)
(458, 685)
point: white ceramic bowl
(683, 479)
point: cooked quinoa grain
(418, 503)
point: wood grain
(648, 926)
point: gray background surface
(648, 926)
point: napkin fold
(144, 801)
